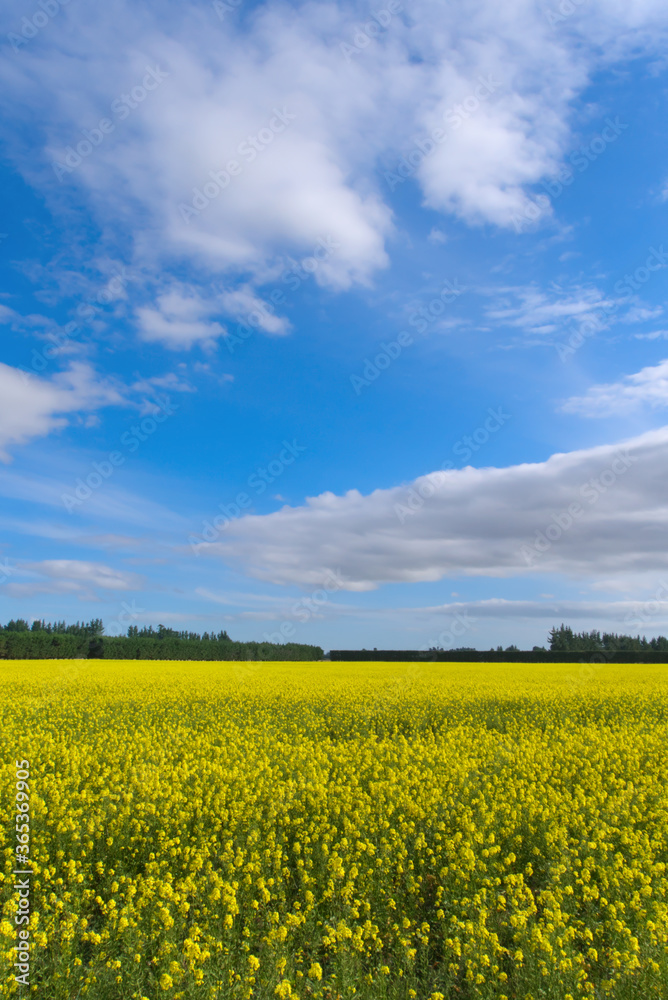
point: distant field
(338, 830)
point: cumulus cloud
(32, 407)
(589, 514)
(648, 387)
(180, 319)
(261, 137)
(183, 316)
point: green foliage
(564, 640)
(20, 625)
(46, 640)
(92, 628)
(171, 648)
(162, 632)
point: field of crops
(242, 830)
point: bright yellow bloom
(315, 972)
(390, 820)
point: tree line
(47, 640)
(565, 640)
(55, 640)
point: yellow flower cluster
(340, 830)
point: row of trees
(56, 640)
(92, 628)
(161, 632)
(47, 640)
(565, 640)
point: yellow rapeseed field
(331, 830)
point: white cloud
(481, 171)
(477, 623)
(649, 387)
(540, 313)
(95, 574)
(11, 317)
(181, 319)
(552, 610)
(244, 304)
(307, 128)
(71, 576)
(640, 314)
(654, 335)
(171, 382)
(33, 407)
(183, 316)
(437, 235)
(478, 522)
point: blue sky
(340, 323)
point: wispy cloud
(641, 314)
(71, 576)
(654, 335)
(648, 387)
(32, 407)
(540, 312)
